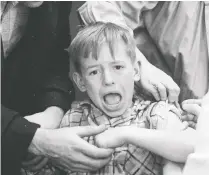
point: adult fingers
(192, 108)
(189, 117)
(33, 161)
(172, 89)
(192, 124)
(84, 131)
(185, 125)
(84, 164)
(177, 112)
(153, 90)
(192, 101)
(162, 91)
(96, 164)
(39, 165)
(205, 100)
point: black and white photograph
(104, 87)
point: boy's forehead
(105, 52)
(103, 59)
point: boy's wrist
(127, 133)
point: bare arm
(169, 141)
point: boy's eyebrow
(92, 66)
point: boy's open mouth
(112, 98)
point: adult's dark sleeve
(17, 134)
(56, 88)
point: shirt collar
(98, 117)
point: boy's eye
(93, 72)
(118, 67)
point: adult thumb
(192, 108)
(84, 131)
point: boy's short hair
(91, 37)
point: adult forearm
(50, 118)
(171, 145)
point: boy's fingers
(92, 151)
(96, 153)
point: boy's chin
(114, 114)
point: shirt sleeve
(157, 114)
(124, 13)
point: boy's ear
(136, 71)
(79, 81)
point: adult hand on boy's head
(158, 83)
(66, 148)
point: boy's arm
(168, 141)
(174, 140)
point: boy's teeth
(112, 99)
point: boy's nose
(108, 78)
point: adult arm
(129, 15)
(198, 162)
(55, 87)
(17, 134)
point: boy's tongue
(112, 98)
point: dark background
(74, 22)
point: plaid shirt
(128, 159)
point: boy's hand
(192, 108)
(110, 138)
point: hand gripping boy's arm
(168, 141)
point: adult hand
(34, 163)
(66, 148)
(205, 99)
(156, 82)
(50, 118)
(192, 108)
